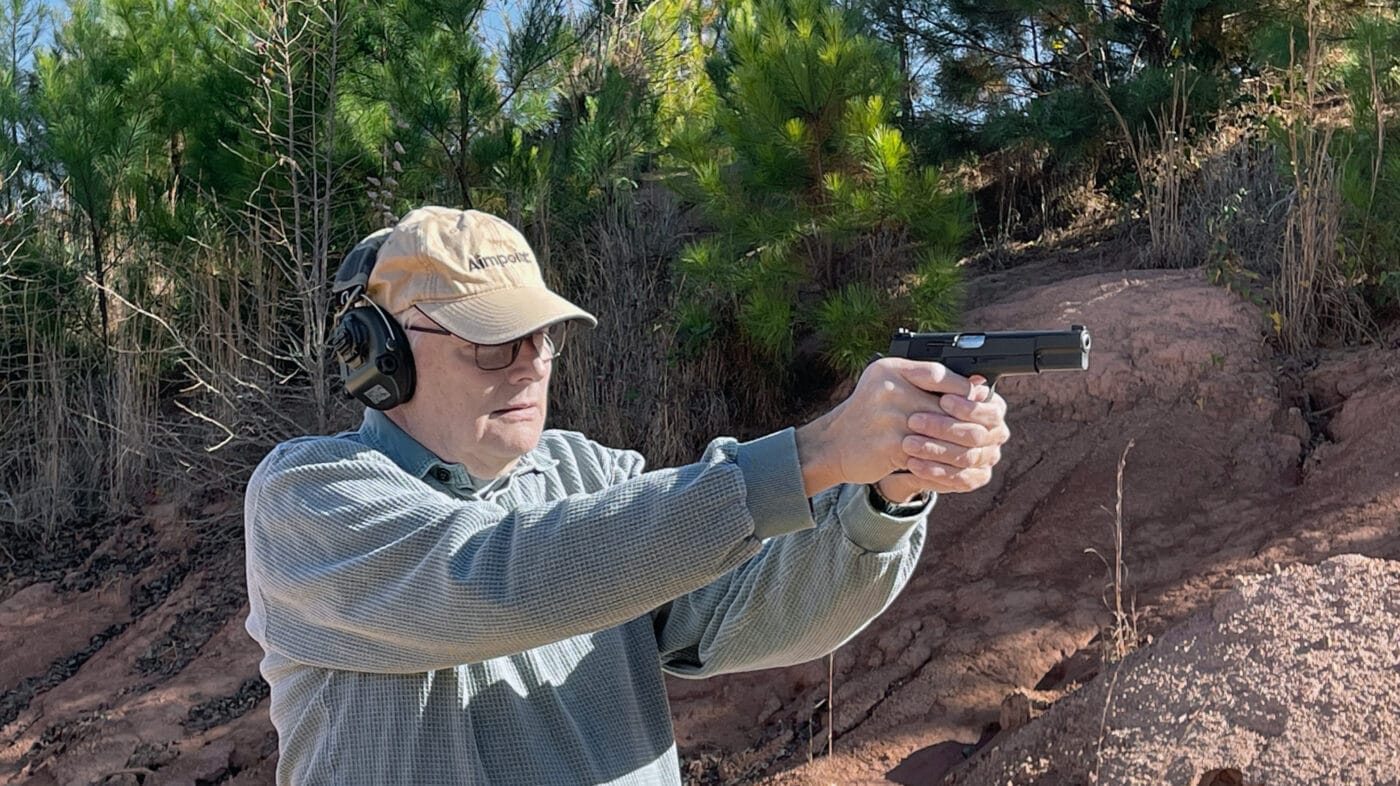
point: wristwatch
(883, 505)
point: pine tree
(20, 28)
(810, 185)
(445, 98)
(1054, 72)
(96, 129)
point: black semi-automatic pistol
(998, 354)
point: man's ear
(405, 318)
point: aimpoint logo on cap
(498, 260)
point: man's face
(483, 419)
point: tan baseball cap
(471, 272)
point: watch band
(880, 503)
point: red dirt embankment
(1238, 465)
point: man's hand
(950, 456)
(948, 442)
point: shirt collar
(386, 436)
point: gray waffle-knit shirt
(419, 630)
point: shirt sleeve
(354, 564)
(803, 595)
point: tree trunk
(906, 79)
(99, 269)
(463, 183)
(459, 163)
(177, 160)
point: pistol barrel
(998, 354)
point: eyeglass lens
(549, 343)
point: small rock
(1021, 708)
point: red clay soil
(1289, 679)
(1238, 465)
(137, 671)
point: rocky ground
(1261, 660)
(1290, 678)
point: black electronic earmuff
(376, 363)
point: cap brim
(504, 315)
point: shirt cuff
(871, 529)
(775, 494)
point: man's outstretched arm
(808, 592)
(354, 564)
(802, 596)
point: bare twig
(1103, 724)
(830, 704)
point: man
(452, 595)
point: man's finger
(947, 453)
(989, 414)
(933, 377)
(949, 429)
(941, 477)
(981, 391)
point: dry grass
(1121, 635)
(623, 383)
(77, 441)
(200, 377)
(189, 390)
(1314, 299)
(1240, 200)
(57, 410)
(48, 451)
(1165, 165)
(1020, 200)
(217, 345)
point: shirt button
(441, 475)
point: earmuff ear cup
(375, 360)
